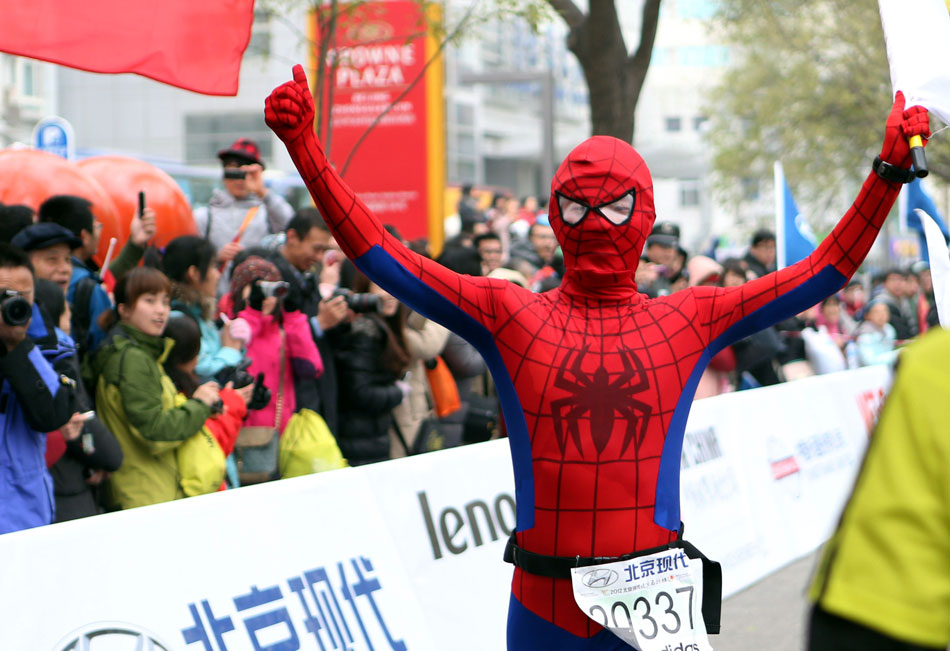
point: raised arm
(731, 314)
(426, 286)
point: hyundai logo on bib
(600, 578)
(111, 636)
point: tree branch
(573, 16)
(640, 59)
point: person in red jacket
(595, 380)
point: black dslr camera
(15, 309)
(360, 303)
(240, 378)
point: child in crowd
(834, 320)
(135, 397)
(875, 336)
(224, 427)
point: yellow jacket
(887, 567)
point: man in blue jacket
(33, 399)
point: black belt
(559, 567)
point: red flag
(192, 44)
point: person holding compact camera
(281, 346)
(35, 400)
(245, 211)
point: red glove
(289, 108)
(901, 125)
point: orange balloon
(30, 177)
(124, 177)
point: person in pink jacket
(259, 297)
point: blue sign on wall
(55, 135)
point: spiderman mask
(601, 210)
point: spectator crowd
(255, 351)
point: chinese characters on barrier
(335, 605)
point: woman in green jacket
(136, 399)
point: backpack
(82, 317)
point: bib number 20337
(654, 603)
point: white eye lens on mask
(619, 211)
(616, 212)
(571, 211)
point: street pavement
(770, 615)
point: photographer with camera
(281, 346)
(306, 260)
(245, 211)
(372, 358)
(35, 400)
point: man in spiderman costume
(594, 379)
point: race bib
(654, 603)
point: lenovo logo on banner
(457, 528)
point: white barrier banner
(451, 514)
(297, 564)
(408, 554)
(766, 472)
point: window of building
(699, 121)
(689, 193)
(464, 114)
(674, 124)
(259, 44)
(206, 134)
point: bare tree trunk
(614, 77)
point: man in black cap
(245, 211)
(50, 249)
(660, 254)
(87, 298)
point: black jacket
(755, 266)
(368, 393)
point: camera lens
(16, 310)
(363, 303)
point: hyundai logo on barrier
(114, 636)
(599, 578)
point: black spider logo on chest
(603, 400)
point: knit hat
(254, 268)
